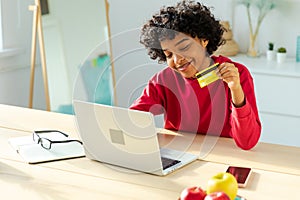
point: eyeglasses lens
(45, 143)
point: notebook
(33, 153)
(126, 138)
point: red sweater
(208, 110)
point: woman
(185, 37)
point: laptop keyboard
(168, 162)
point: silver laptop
(126, 138)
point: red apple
(192, 193)
(217, 196)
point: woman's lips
(183, 67)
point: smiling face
(186, 55)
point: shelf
(261, 65)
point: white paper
(35, 153)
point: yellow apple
(223, 182)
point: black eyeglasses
(47, 143)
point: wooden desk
(264, 156)
(23, 181)
(27, 119)
(271, 157)
(81, 178)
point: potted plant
(270, 52)
(281, 54)
(262, 8)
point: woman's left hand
(229, 74)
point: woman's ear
(204, 42)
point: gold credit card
(207, 75)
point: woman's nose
(178, 59)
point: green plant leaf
(281, 50)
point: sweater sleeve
(149, 100)
(245, 122)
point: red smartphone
(242, 174)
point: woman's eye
(185, 48)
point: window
(1, 37)
(10, 19)
(15, 33)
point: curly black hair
(189, 17)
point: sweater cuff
(241, 112)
